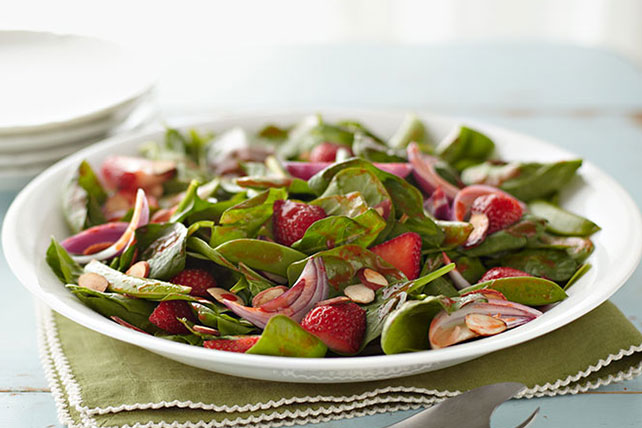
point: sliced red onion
(438, 205)
(305, 170)
(423, 169)
(126, 324)
(108, 232)
(456, 276)
(465, 197)
(140, 217)
(311, 287)
(274, 277)
(448, 329)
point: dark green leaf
(541, 180)
(163, 247)
(262, 255)
(512, 238)
(145, 288)
(562, 222)
(411, 129)
(526, 290)
(580, 272)
(470, 147)
(61, 263)
(82, 199)
(284, 337)
(349, 205)
(555, 265)
(335, 231)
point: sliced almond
(480, 229)
(139, 269)
(485, 325)
(206, 330)
(359, 293)
(221, 294)
(442, 338)
(372, 279)
(268, 294)
(93, 281)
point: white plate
(26, 233)
(48, 81)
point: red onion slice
(108, 232)
(311, 287)
(305, 170)
(465, 197)
(423, 169)
(140, 217)
(456, 276)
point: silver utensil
(471, 409)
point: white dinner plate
(35, 215)
(49, 81)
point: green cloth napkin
(101, 382)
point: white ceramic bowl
(35, 215)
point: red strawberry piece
(403, 252)
(327, 152)
(200, 280)
(341, 326)
(292, 219)
(236, 344)
(125, 172)
(501, 210)
(166, 315)
(502, 272)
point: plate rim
(323, 365)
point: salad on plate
(320, 239)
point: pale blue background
(585, 100)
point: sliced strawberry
(341, 326)
(292, 219)
(200, 280)
(327, 152)
(403, 252)
(166, 315)
(502, 272)
(125, 172)
(501, 210)
(236, 344)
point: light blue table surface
(588, 101)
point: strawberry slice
(341, 326)
(199, 279)
(236, 344)
(403, 252)
(502, 272)
(166, 313)
(327, 152)
(292, 219)
(501, 210)
(125, 172)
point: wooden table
(586, 100)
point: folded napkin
(101, 382)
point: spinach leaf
(335, 231)
(555, 265)
(82, 199)
(134, 311)
(406, 329)
(540, 180)
(367, 148)
(469, 148)
(145, 288)
(455, 232)
(349, 205)
(578, 248)
(580, 272)
(310, 132)
(284, 337)
(411, 129)
(291, 184)
(163, 246)
(262, 255)
(61, 263)
(526, 290)
(562, 222)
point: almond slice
(485, 325)
(93, 281)
(372, 279)
(139, 269)
(221, 294)
(359, 293)
(333, 301)
(268, 294)
(480, 224)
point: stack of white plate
(60, 93)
